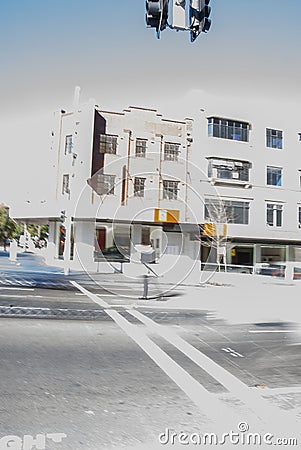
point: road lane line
(281, 390)
(232, 352)
(21, 296)
(92, 296)
(16, 289)
(209, 405)
(203, 399)
(261, 407)
(273, 331)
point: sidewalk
(26, 262)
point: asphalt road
(103, 384)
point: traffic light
(199, 13)
(63, 216)
(157, 14)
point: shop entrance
(242, 256)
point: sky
(49, 47)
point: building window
(274, 215)
(228, 129)
(108, 144)
(299, 216)
(65, 184)
(68, 144)
(227, 211)
(274, 176)
(171, 151)
(105, 184)
(170, 189)
(228, 169)
(274, 138)
(140, 149)
(139, 187)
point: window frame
(140, 154)
(270, 176)
(68, 144)
(276, 210)
(274, 138)
(225, 212)
(108, 144)
(139, 192)
(66, 184)
(229, 129)
(229, 167)
(171, 151)
(170, 190)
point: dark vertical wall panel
(99, 128)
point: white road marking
(121, 289)
(263, 410)
(16, 289)
(281, 390)
(232, 352)
(106, 295)
(251, 398)
(21, 296)
(273, 331)
(195, 391)
(89, 294)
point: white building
(250, 157)
(120, 187)
(123, 180)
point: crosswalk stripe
(207, 402)
(251, 398)
(261, 412)
(92, 296)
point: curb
(53, 313)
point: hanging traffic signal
(157, 14)
(199, 13)
(63, 216)
(205, 13)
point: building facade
(121, 188)
(252, 161)
(223, 186)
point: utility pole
(67, 247)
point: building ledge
(233, 183)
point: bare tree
(216, 229)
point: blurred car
(278, 269)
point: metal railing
(229, 268)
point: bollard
(145, 287)
(13, 251)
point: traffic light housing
(157, 14)
(63, 216)
(199, 13)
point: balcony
(229, 172)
